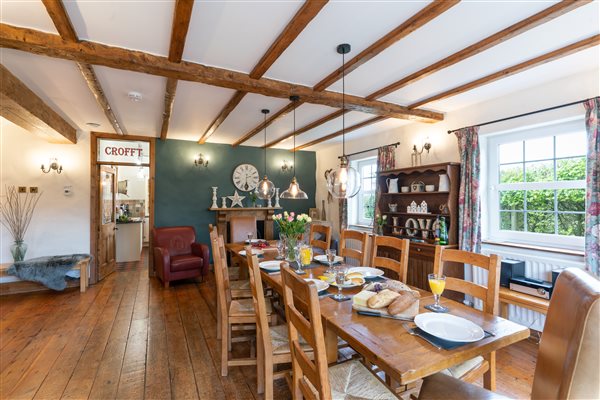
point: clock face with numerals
(245, 177)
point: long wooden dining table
(386, 343)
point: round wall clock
(245, 177)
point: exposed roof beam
(421, 18)
(310, 126)
(60, 18)
(24, 108)
(522, 26)
(303, 17)
(182, 15)
(114, 57)
(515, 69)
(340, 132)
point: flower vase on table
(292, 227)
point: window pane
(366, 171)
(572, 144)
(570, 169)
(368, 202)
(539, 149)
(510, 152)
(541, 171)
(571, 199)
(571, 224)
(511, 173)
(512, 221)
(539, 222)
(540, 200)
(512, 200)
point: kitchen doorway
(121, 201)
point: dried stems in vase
(17, 210)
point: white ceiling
(234, 35)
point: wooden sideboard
(223, 215)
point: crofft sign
(125, 151)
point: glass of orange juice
(437, 283)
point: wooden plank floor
(128, 338)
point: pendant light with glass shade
(265, 189)
(294, 191)
(344, 182)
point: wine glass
(280, 250)
(298, 256)
(437, 283)
(340, 279)
(330, 253)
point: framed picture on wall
(314, 213)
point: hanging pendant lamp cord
(265, 144)
(294, 136)
(343, 104)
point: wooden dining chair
(400, 265)
(471, 370)
(359, 255)
(323, 241)
(313, 379)
(234, 312)
(568, 356)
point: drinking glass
(306, 255)
(280, 250)
(437, 283)
(331, 253)
(340, 279)
(250, 235)
(298, 255)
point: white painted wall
(444, 146)
(60, 224)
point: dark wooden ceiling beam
(42, 43)
(546, 15)
(182, 14)
(368, 122)
(421, 18)
(24, 108)
(515, 69)
(310, 126)
(60, 18)
(303, 17)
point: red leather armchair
(177, 255)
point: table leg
(489, 378)
(331, 340)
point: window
(362, 207)
(537, 180)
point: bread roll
(404, 301)
(382, 299)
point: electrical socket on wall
(22, 189)
(33, 189)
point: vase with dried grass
(16, 210)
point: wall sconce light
(415, 157)
(287, 166)
(53, 165)
(201, 160)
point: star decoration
(236, 199)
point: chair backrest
(399, 266)
(177, 239)
(298, 291)
(258, 298)
(221, 274)
(569, 354)
(239, 226)
(488, 294)
(360, 255)
(323, 242)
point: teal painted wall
(183, 191)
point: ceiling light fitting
(92, 124)
(293, 192)
(135, 96)
(344, 182)
(265, 189)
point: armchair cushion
(185, 262)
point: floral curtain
(386, 160)
(592, 193)
(469, 203)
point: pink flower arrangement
(291, 224)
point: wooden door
(107, 217)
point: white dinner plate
(367, 272)
(323, 259)
(449, 327)
(321, 285)
(348, 284)
(254, 251)
(270, 265)
(253, 241)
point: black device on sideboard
(534, 287)
(510, 269)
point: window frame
(492, 203)
(355, 204)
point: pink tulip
(290, 218)
(292, 214)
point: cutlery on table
(376, 314)
(415, 333)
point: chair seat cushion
(353, 381)
(245, 308)
(442, 386)
(457, 371)
(185, 262)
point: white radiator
(538, 265)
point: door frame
(95, 194)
